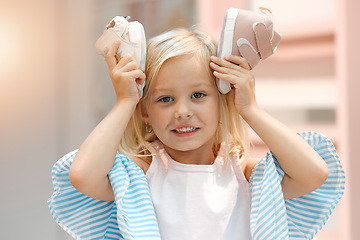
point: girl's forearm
(96, 155)
(305, 169)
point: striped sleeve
(268, 213)
(79, 215)
(130, 216)
(135, 211)
(309, 213)
(305, 215)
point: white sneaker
(132, 37)
(248, 34)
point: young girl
(184, 171)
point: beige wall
(348, 76)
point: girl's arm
(95, 158)
(304, 169)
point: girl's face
(184, 105)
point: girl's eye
(198, 95)
(166, 99)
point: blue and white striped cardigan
(131, 215)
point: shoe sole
(227, 35)
(142, 59)
(227, 32)
(143, 48)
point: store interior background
(54, 89)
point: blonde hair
(179, 42)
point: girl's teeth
(184, 130)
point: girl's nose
(182, 110)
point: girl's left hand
(236, 71)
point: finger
(111, 54)
(232, 62)
(142, 77)
(131, 66)
(127, 66)
(126, 59)
(226, 77)
(220, 61)
(231, 75)
(137, 75)
(240, 61)
(231, 69)
(235, 81)
(219, 68)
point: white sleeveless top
(199, 201)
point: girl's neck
(200, 156)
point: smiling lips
(185, 131)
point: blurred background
(54, 89)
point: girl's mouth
(185, 131)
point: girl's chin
(185, 146)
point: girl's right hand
(125, 74)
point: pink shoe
(248, 34)
(132, 37)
